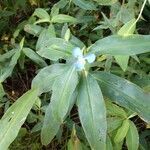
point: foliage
(90, 59)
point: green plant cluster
(91, 84)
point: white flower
(81, 60)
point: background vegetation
(20, 26)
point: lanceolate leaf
(113, 123)
(14, 117)
(122, 60)
(62, 97)
(120, 45)
(92, 112)
(2, 92)
(34, 56)
(109, 144)
(122, 132)
(45, 36)
(114, 110)
(126, 30)
(55, 48)
(106, 2)
(61, 18)
(41, 13)
(45, 78)
(7, 71)
(124, 93)
(84, 4)
(33, 29)
(7, 55)
(74, 143)
(132, 138)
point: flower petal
(79, 66)
(90, 58)
(77, 52)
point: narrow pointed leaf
(113, 123)
(62, 97)
(2, 92)
(87, 5)
(122, 132)
(61, 18)
(55, 48)
(41, 13)
(14, 117)
(7, 55)
(34, 56)
(33, 29)
(44, 37)
(7, 71)
(115, 110)
(109, 144)
(125, 93)
(122, 60)
(45, 78)
(106, 2)
(126, 30)
(92, 112)
(132, 138)
(120, 45)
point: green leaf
(34, 56)
(15, 58)
(114, 110)
(122, 132)
(124, 93)
(45, 78)
(120, 45)
(74, 143)
(108, 143)
(7, 71)
(33, 29)
(118, 146)
(122, 60)
(126, 30)
(56, 48)
(132, 138)
(7, 55)
(84, 4)
(45, 36)
(142, 81)
(113, 123)
(42, 14)
(62, 97)
(106, 2)
(14, 117)
(61, 18)
(67, 35)
(54, 10)
(2, 92)
(6, 13)
(92, 112)
(53, 48)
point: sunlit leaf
(119, 45)
(122, 132)
(62, 97)
(92, 112)
(125, 93)
(14, 117)
(132, 138)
